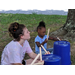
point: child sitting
(41, 39)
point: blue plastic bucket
(62, 49)
(51, 59)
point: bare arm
(52, 38)
(33, 55)
(17, 64)
(39, 45)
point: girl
(41, 39)
(14, 52)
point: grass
(31, 21)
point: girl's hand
(47, 52)
(41, 62)
(45, 41)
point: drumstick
(58, 38)
(48, 33)
(39, 63)
(35, 59)
(44, 48)
(40, 54)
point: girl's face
(42, 32)
(26, 34)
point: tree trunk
(68, 29)
(70, 22)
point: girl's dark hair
(41, 24)
(15, 30)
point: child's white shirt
(14, 52)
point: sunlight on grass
(31, 21)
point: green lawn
(31, 21)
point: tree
(68, 29)
(70, 22)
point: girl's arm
(17, 64)
(33, 55)
(39, 45)
(52, 38)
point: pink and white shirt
(14, 52)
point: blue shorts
(43, 52)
